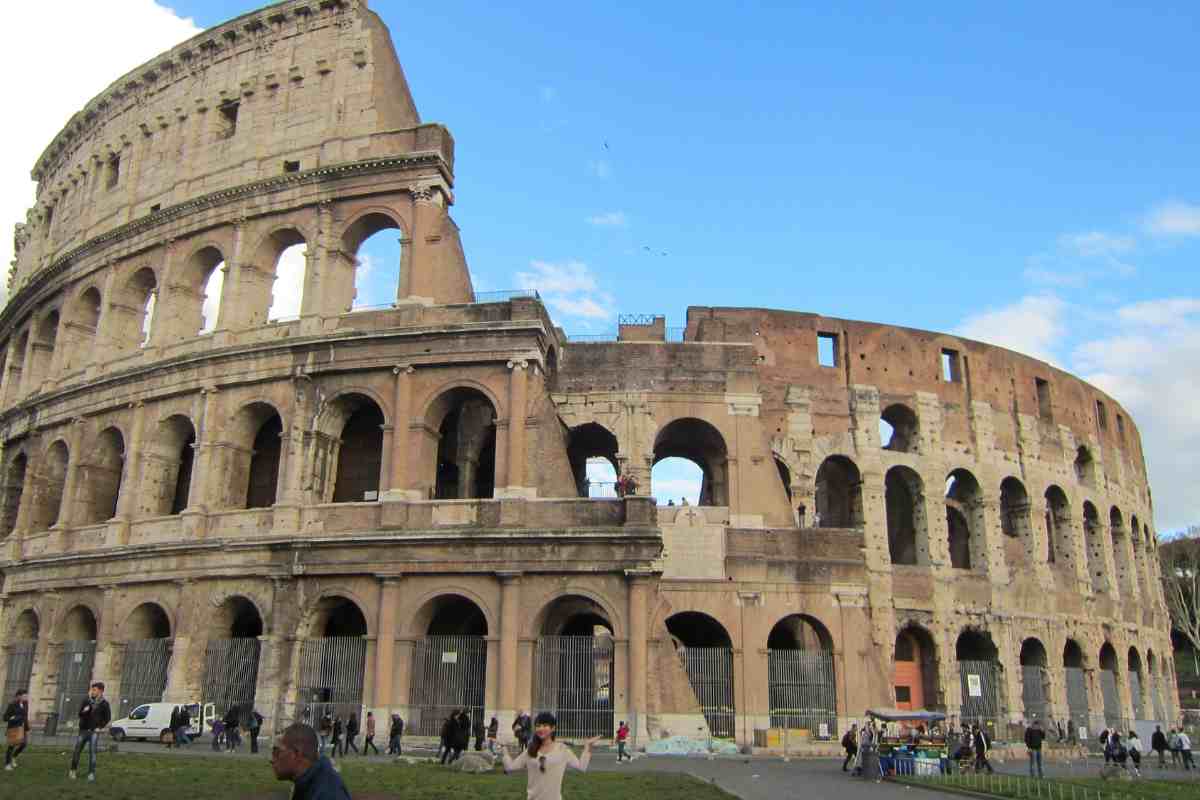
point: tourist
(218, 733)
(351, 735)
(462, 740)
(801, 510)
(1173, 746)
(394, 735)
(449, 733)
(94, 716)
(369, 741)
(16, 721)
(295, 758)
(1034, 736)
(622, 739)
(173, 727)
(1185, 749)
(546, 759)
(255, 722)
(850, 745)
(479, 732)
(326, 731)
(979, 740)
(1135, 754)
(521, 728)
(183, 727)
(233, 723)
(1158, 743)
(339, 730)
(868, 759)
(493, 733)
(1104, 736)
(1117, 751)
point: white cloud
(1170, 311)
(1096, 244)
(101, 42)
(584, 307)
(611, 219)
(600, 168)
(1077, 259)
(1033, 326)
(1173, 219)
(569, 288)
(288, 290)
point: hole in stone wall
(827, 349)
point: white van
(152, 720)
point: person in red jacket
(622, 738)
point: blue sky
(1025, 174)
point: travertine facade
(372, 482)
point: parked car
(153, 720)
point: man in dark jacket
(980, 741)
(94, 716)
(394, 735)
(1158, 743)
(462, 740)
(255, 722)
(16, 721)
(849, 744)
(233, 724)
(449, 734)
(295, 758)
(174, 726)
(351, 734)
(479, 732)
(182, 730)
(1034, 736)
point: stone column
(385, 645)
(405, 278)
(118, 529)
(398, 484)
(510, 622)
(402, 675)
(516, 430)
(67, 510)
(106, 667)
(638, 592)
(201, 493)
(414, 281)
(286, 513)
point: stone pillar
(415, 285)
(201, 493)
(106, 667)
(385, 644)
(402, 675)
(405, 278)
(286, 513)
(67, 510)
(118, 529)
(516, 431)
(638, 592)
(399, 483)
(510, 622)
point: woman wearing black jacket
(16, 720)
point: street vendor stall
(911, 742)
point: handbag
(16, 735)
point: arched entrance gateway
(231, 658)
(979, 671)
(1077, 693)
(78, 633)
(706, 652)
(449, 668)
(1033, 680)
(800, 682)
(1108, 686)
(333, 658)
(914, 677)
(573, 666)
(22, 643)
(147, 657)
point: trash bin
(52, 724)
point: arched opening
(374, 239)
(589, 447)
(231, 656)
(333, 658)
(49, 487)
(1085, 467)
(465, 445)
(980, 676)
(1153, 668)
(839, 494)
(1077, 691)
(449, 666)
(1136, 682)
(167, 468)
(101, 478)
(16, 368)
(1035, 680)
(1140, 580)
(699, 442)
(1016, 523)
(1058, 527)
(287, 253)
(131, 312)
(78, 634)
(146, 658)
(20, 648)
(44, 341)
(900, 424)
(14, 486)
(705, 651)
(253, 468)
(801, 685)
(573, 666)
(206, 273)
(785, 476)
(904, 497)
(357, 449)
(677, 481)
(1108, 687)
(1121, 552)
(1096, 549)
(964, 521)
(915, 672)
(83, 324)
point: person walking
(94, 716)
(1158, 743)
(325, 731)
(16, 722)
(1173, 745)
(369, 741)
(622, 740)
(868, 761)
(1135, 754)
(339, 730)
(521, 728)
(395, 733)
(255, 722)
(462, 740)
(1034, 736)
(295, 758)
(173, 727)
(493, 732)
(850, 745)
(218, 734)
(1104, 737)
(351, 734)
(1185, 749)
(183, 729)
(479, 732)
(448, 734)
(545, 760)
(233, 722)
(979, 741)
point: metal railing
(504, 295)
(574, 680)
(588, 338)
(144, 673)
(19, 667)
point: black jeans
(12, 752)
(348, 744)
(394, 745)
(254, 740)
(369, 742)
(851, 752)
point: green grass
(147, 776)
(1017, 786)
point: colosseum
(388, 508)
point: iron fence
(710, 673)
(1033, 693)
(1135, 691)
(230, 673)
(802, 691)
(331, 678)
(144, 674)
(1077, 698)
(448, 674)
(574, 680)
(980, 691)
(504, 295)
(1112, 700)
(19, 666)
(74, 678)
(1156, 696)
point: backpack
(847, 740)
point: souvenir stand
(911, 742)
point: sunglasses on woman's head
(542, 763)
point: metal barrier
(710, 673)
(1135, 691)
(573, 678)
(74, 679)
(1077, 696)
(331, 677)
(144, 674)
(802, 690)
(19, 666)
(1033, 693)
(1112, 700)
(230, 673)
(504, 295)
(448, 674)
(980, 691)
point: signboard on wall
(974, 686)
(450, 657)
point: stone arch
(459, 460)
(704, 649)
(1096, 549)
(1125, 579)
(369, 221)
(255, 439)
(1058, 523)
(350, 423)
(800, 632)
(45, 340)
(167, 467)
(148, 620)
(1085, 466)
(449, 661)
(282, 260)
(50, 482)
(904, 429)
(907, 525)
(980, 676)
(1108, 685)
(363, 226)
(131, 316)
(556, 609)
(915, 668)
(1016, 523)
(442, 602)
(785, 474)
(1137, 683)
(838, 493)
(336, 613)
(588, 441)
(697, 629)
(574, 659)
(11, 494)
(700, 442)
(237, 617)
(196, 299)
(965, 520)
(101, 478)
(79, 623)
(81, 327)
(27, 625)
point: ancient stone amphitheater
(387, 508)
